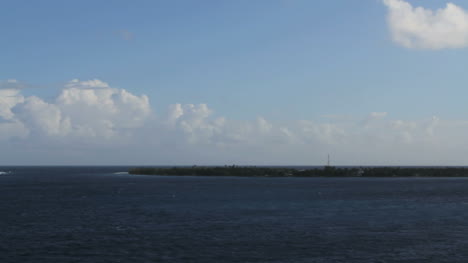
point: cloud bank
(89, 122)
(421, 28)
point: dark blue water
(93, 215)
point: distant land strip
(327, 171)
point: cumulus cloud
(90, 122)
(8, 99)
(96, 109)
(193, 121)
(9, 126)
(422, 28)
(83, 109)
(43, 117)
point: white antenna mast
(328, 161)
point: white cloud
(374, 117)
(263, 125)
(194, 122)
(86, 109)
(322, 133)
(97, 109)
(90, 122)
(432, 125)
(8, 99)
(44, 117)
(377, 115)
(421, 28)
(93, 83)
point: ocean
(102, 214)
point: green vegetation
(328, 171)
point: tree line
(327, 171)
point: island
(327, 171)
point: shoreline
(327, 171)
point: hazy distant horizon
(240, 165)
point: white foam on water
(4, 173)
(121, 173)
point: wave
(5, 173)
(121, 173)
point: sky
(265, 82)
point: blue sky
(284, 61)
(278, 58)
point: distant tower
(328, 160)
